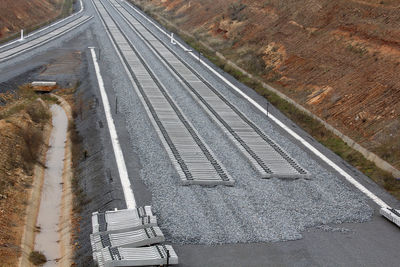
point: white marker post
(22, 35)
(172, 38)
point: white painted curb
(119, 157)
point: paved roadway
(362, 244)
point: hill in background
(22, 14)
(339, 59)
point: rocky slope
(340, 59)
(21, 14)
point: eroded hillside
(340, 59)
(22, 14)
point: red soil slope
(21, 14)
(340, 59)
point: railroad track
(262, 152)
(190, 155)
(40, 40)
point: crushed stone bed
(254, 210)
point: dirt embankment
(21, 14)
(339, 59)
(22, 124)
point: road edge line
(119, 157)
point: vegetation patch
(356, 49)
(37, 258)
(235, 11)
(23, 118)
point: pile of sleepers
(129, 237)
(391, 214)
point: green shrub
(37, 258)
(38, 112)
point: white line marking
(45, 28)
(348, 177)
(119, 157)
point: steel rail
(191, 157)
(255, 152)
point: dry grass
(32, 142)
(22, 120)
(37, 258)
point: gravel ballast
(254, 209)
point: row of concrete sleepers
(129, 237)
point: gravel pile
(254, 209)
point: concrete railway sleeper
(137, 238)
(133, 242)
(265, 155)
(192, 158)
(160, 255)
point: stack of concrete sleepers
(123, 226)
(391, 214)
(120, 215)
(130, 239)
(119, 238)
(157, 255)
(122, 220)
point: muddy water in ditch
(49, 211)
